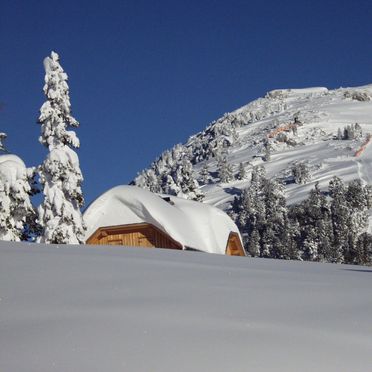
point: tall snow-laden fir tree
(59, 214)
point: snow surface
(190, 223)
(95, 308)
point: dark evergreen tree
(363, 253)
(253, 243)
(274, 230)
(301, 173)
(340, 214)
(357, 202)
(268, 150)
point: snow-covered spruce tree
(301, 173)
(313, 217)
(17, 215)
(147, 180)
(169, 186)
(60, 176)
(340, 216)
(364, 250)
(274, 231)
(356, 196)
(224, 170)
(187, 183)
(241, 172)
(268, 151)
(204, 174)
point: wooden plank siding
(135, 235)
(149, 236)
(234, 246)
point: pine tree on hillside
(224, 170)
(340, 215)
(356, 197)
(60, 176)
(253, 244)
(148, 180)
(301, 173)
(274, 230)
(314, 218)
(204, 174)
(268, 151)
(241, 172)
(185, 180)
(363, 254)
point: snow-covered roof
(192, 224)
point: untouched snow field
(80, 308)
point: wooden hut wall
(137, 235)
(234, 246)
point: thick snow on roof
(11, 168)
(194, 225)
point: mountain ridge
(299, 125)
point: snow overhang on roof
(192, 224)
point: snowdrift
(94, 309)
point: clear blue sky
(145, 75)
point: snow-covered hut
(131, 216)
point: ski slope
(94, 309)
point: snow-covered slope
(316, 114)
(94, 309)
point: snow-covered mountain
(326, 131)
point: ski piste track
(364, 162)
